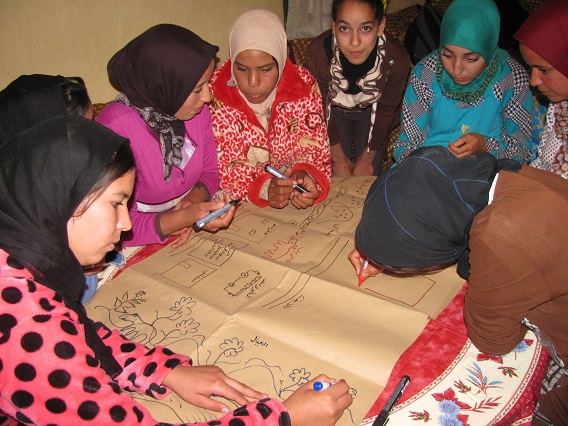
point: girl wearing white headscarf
(266, 110)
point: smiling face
(356, 29)
(461, 64)
(197, 98)
(97, 230)
(551, 82)
(256, 73)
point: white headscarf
(259, 29)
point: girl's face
(461, 64)
(356, 30)
(97, 231)
(256, 73)
(197, 98)
(551, 82)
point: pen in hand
(301, 189)
(200, 223)
(364, 264)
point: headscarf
(156, 72)
(45, 173)
(472, 25)
(545, 33)
(29, 100)
(259, 29)
(419, 213)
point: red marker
(364, 264)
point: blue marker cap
(322, 385)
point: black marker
(301, 189)
(215, 214)
(383, 416)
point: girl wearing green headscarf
(469, 95)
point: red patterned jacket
(296, 138)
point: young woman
(543, 43)
(468, 96)
(362, 72)
(500, 222)
(267, 110)
(56, 365)
(163, 75)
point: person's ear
(382, 26)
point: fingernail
(224, 410)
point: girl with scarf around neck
(468, 96)
(57, 366)
(266, 110)
(163, 75)
(434, 210)
(362, 72)
(544, 45)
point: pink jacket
(296, 137)
(150, 187)
(49, 375)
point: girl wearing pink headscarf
(544, 45)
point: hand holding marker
(301, 189)
(215, 214)
(322, 385)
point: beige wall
(78, 37)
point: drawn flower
(186, 303)
(231, 347)
(301, 376)
(187, 326)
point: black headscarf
(157, 71)
(45, 173)
(29, 100)
(419, 213)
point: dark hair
(75, 96)
(377, 6)
(411, 272)
(121, 162)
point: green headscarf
(472, 25)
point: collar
(291, 87)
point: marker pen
(322, 385)
(383, 416)
(215, 214)
(301, 189)
(364, 264)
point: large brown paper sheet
(274, 301)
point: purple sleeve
(150, 187)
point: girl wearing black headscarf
(163, 77)
(64, 188)
(30, 99)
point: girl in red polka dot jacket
(56, 365)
